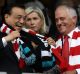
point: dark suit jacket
(8, 59)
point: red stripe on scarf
(11, 31)
(21, 63)
(15, 46)
(4, 29)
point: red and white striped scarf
(5, 29)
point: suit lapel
(10, 53)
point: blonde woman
(35, 21)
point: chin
(18, 29)
(62, 32)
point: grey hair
(70, 10)
(31, 9)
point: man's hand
(51, 41)
(12, 36)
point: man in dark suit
(9, 33)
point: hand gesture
(12, 36)
(51, 41)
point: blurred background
(49, 6)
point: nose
(58, 22)
(32, 22)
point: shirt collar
(71, 33)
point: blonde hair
(31, 9)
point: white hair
(71, 11)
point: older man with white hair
(67, 48)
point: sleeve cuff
(4, 42)
(78, 71)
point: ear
(74, 19)
(6, 16)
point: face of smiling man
(64, 21)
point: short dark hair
(7, 8)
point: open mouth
(18, 24)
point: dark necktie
(65, 50)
